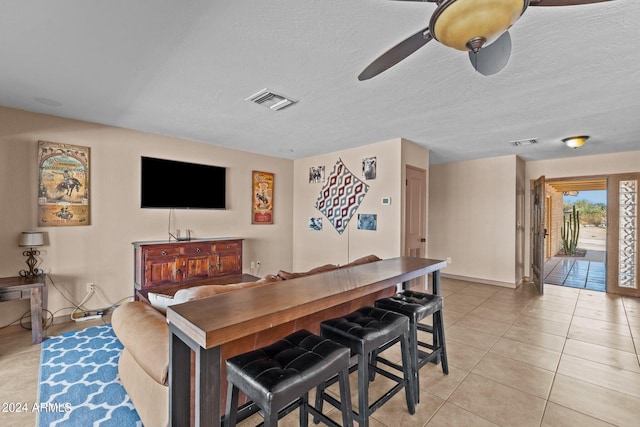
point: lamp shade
(470, 24)
(31, 238)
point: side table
(33, 288)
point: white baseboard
(483, 281)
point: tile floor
(585, 272)
(516, 358)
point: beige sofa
(144, 333)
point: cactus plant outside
(570, 232)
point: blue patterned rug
(79, 383)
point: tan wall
(312, 248)
(576, 167)
(102, 252)
(472, 218)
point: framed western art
(367, 222)
(262, 197)
(315, 223)
(369, 167)
(316, 174)
(63, 185)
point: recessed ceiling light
(47, 101)
(521, 142)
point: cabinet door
(198, 267)
(197, 261)
(162, 270)
(227, 263)
(228, 257)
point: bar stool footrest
(375, 405)
(319, 416)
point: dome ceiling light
(575, 141)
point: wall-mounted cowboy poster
(262, 198)
(63, 184)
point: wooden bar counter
(236, 322)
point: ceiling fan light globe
(575, 141)
(456, 23)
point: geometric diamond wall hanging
(340, 196)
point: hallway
(586, 272)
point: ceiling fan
(477, 26)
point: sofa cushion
(197, 292)
(364, 260)
(160, 301)
(285, 275)
(144, 332)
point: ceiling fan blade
(396, 54)
(563, 2)
(491, 59)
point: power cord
(15, 321)
(48, 317)
(79, 307)
(169, 226)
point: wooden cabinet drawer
(161, 252)
(11, 295)
(226, 247)
(197, 249)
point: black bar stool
(278, 377)
(416, 306)
(364, 331)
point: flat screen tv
(181, 185)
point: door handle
(422, 240)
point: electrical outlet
(91, 287)
(253, 265)
(449, 260)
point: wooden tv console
(167, 266)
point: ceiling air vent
(270, 99)
(522, 142)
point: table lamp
(30, 239)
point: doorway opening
(576, 223)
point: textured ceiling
(184, 69)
